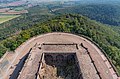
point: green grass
(4, 18)
(19, 8)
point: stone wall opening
(60, 66)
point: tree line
(104, 36)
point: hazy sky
(74, 0)
(84, 1)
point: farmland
(11, 10)
(4, 18)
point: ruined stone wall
(5, 62)
(59, 66)
(59, 59)
(9, 61)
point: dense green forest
(104, 13)
(116, 28)
(108, 39)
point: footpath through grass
(4, 18)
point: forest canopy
(104, 36)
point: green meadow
(4, 18)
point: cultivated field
(4, 18)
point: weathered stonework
(56, 56)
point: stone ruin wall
(5, 63)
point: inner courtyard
(57, 56)
(60, 66)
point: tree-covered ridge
(36, 15)
(108, 39)
(116, 28)
(104, 13)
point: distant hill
(104, 13)
(7, 1)
(104, 36)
